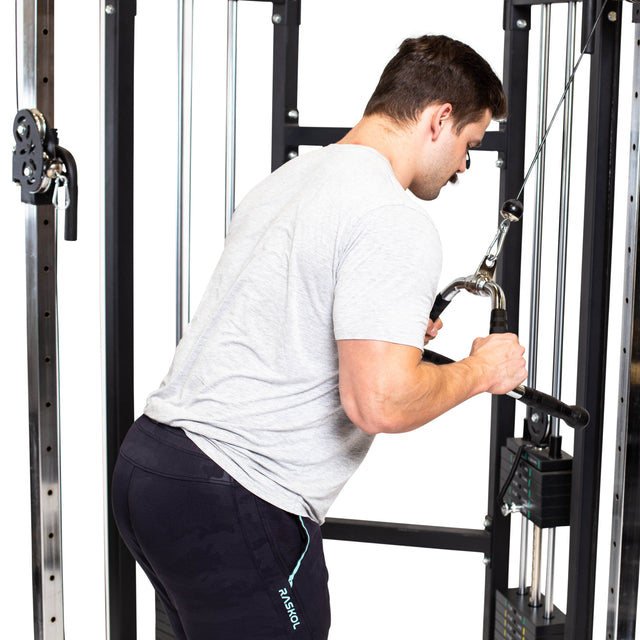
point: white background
(436, 475)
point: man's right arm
(388, 388)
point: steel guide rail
(625, 535)
(36, 91)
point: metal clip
(61, 186)
(488, 265)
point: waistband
(168, 451)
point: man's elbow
(373, 416)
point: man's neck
(396, 144)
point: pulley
(46, 172)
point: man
(307, 343)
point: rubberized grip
(438, 307)
(574, 416)
(498, 321)
(71, 214)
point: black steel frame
(118, 29)
(594, 314)
(287, 136)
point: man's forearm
(387, 388)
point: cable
(514, 468)
(562, 97)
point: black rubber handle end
(574, 416)
(498, 322)
(438, 307)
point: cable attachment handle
(42, 168)
(574, 416)
(482, 281)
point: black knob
(512, 209)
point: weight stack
(541, 484)
(516, 620)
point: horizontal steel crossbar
(408, 535)
(296, 135)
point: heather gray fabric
(328, 247)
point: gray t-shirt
(329, 247)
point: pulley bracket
(43, 169)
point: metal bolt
(22, 129)
(508, 509)
(54, 170)
(276, 18)
(27, 172)
(500, 163)
(522, 23)
(488, 522)
(110, 9)
(612, 16)
(291, 155)
(486, 561)
(293, 114)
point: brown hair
(436, 70)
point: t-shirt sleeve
(387, 277)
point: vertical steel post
(535, 596)
(563, 230)
(624, 567)
(538, 213)
(231, 114)
(183, 204)
(541, 128)
(286, 25)
(594, 310)
(561, 271)
(118, 18)
(516, 24)
(36, 91)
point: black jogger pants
(226, 564)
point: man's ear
(437, 118)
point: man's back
(255, 379)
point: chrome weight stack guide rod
(231, 113)
(565, 173)
(543, 94)
(185, 102)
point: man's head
(436, 70)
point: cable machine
(511, 613)
(47, 176)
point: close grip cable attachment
(481, 282)
(574, 416)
